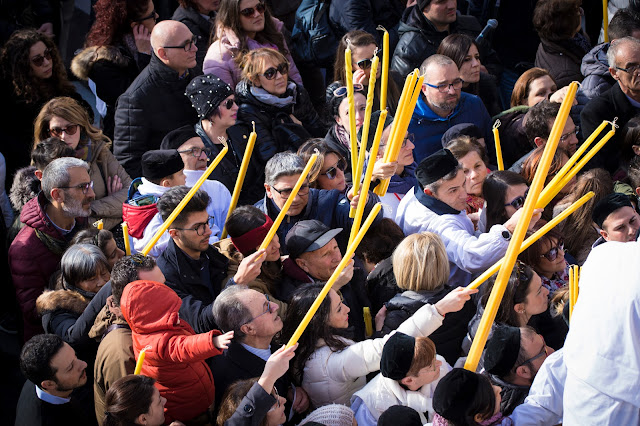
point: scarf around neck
(273, 100)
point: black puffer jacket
(512, 395)
(199, 26)
(595, 69)
(276, 130)
(366, 15)
(562, 59)
(515, 143)
(419, 39)
(449, 336)
(381, 285)
(151, 107)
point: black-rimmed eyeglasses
(266, 308)
(187, 46)
(84, 187)
(286, 192)
(199, 228)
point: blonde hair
(253, 62)
(70, 110)
(420, 262)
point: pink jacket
(219, 60)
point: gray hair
(616, 45)
(56, 174)
(282, 164)
(82, 262)
(434, 186)
(439, 60)
(229, 311)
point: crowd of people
(160, 88)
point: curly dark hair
(113, 20)
(556, 19)
(16, 67)
(36, 355)
(126, 270)
(317, 329)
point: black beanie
(502, 350)
(373, 124)
(608, 205)
(206, 93)
(399, 415)
(436, 166)
(175, 138)
(455, 392)
(397, 356)
(160, 163)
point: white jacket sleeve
(425, 321)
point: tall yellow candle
(605, 20)
(384, 83)
(364, 193)
(353, 135)
(519, 233)
(357, 174)
(343, 263)
(533, 238)
(496, 139)
(99, 224)
(287, 204)
(571, 289)
(241, 175)
(140, 361)
(405, 97)
(167, 223)
(127, 243)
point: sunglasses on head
(518, 202)
(271, 73)
(332, 172)
(250, 11)
(552, 254)
(39, 60)
(71, 129)
(342, 90)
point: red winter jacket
(176, 354)
(31, 261)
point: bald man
(155, 103)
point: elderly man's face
(73, 199)
(320, 264)
(438, 75)
(279, 192)
(193, 154)
(265, 321)
(628, 56)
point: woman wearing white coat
(331, 367)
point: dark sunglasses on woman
(228, 104)
(271, 73)
(365, 64)
(518, 202)
(39, 60)
(250, 11)
(71, 129)
(332, 172)
(552, 254)
(342, 90)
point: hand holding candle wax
(127, 243)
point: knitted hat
(331, 415)
(608, 205)
(397, 356)
(161, 163)
(399, 415)
(175, 138)
(375, 118)
(308, 235)
(463, 129)
(455, 392)
(206, 93)
(502, 350)
(436, 166)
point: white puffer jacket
(333, 377)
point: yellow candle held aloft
(533, 238)
(241, 175)
(496, 139)
(287, 204)
(343, 263)
(364, 193)
(357, 174)
(99, 224)
(563, 171)
(127, 243)
(519, 233)
(140, 361)
(605, 20)
(551, 191)
(167, 223)
(384, 83)
(353, 135)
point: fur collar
(67, 300)
(83, 62)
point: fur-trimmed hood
(83, 61)
(68, 300)
(25, 187)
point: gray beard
(445, 106)
(75, 209)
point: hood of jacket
(25, 187)
(66, 300)
(149, 307)
(138, 217)
(595, 62)
(83, 62)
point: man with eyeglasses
(513, 357)
(255, 321)
(330, 207)
(193, 268)
(154, 104)
(51, 220)
(442, 105)
(621, 101)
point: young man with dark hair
(53, 371)
(616, 218)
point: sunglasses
(228, 104)
(71, 129)
(187, 46)
(518, 202)
(153, 15)
(39, 60)
(552, 254)
(250, 11)
(365, 64)
(332, 172)
(271, 73)
(342, 90)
